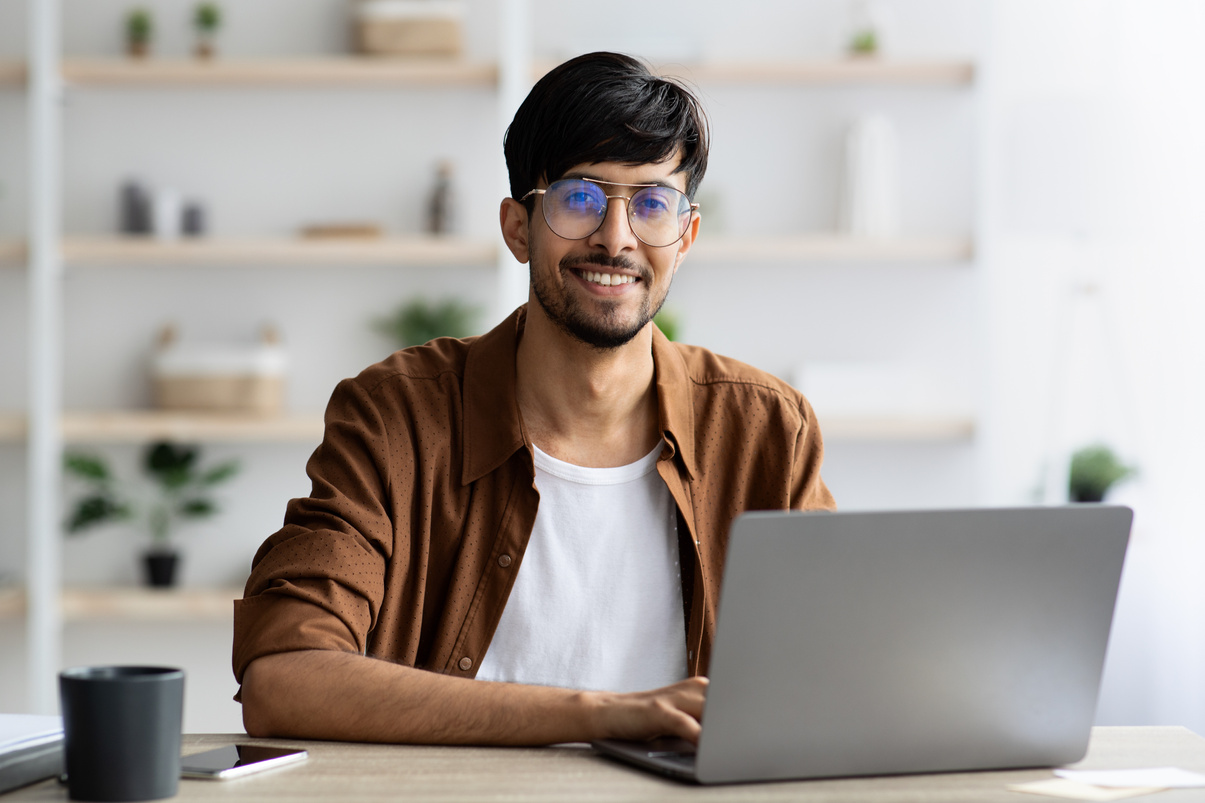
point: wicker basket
(219, 378)
(409, 27)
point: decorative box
(220, 377)
(409, 27)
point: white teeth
(608, 279)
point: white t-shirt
(597, 602)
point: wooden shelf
(134, 604)
(365, 71)
(12, 253)
(420, 251)
(416, 250)
(12, 73)
(830, 248)
(821, 72)
(139, 426)
(897, 428)
(307, 72)
(12, 427)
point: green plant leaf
(86, 467)
(170, 464)
(420, 321)
(220, 473)
(197, 508)
(95, 510)
(207, 17)
(1094, 469)
(667, 322)
(140, 24)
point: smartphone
(236, 760)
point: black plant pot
(161, 568)
(1087, 495)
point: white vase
(168, 214)
(870, 190)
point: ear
(513, 218)
(688, 239)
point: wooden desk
(358, 772)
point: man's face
(603, 290)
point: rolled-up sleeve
(318, 583)
(808, 491)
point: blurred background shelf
(12, 253)
(837, 71)
(335, 71)
(134, 604)
(907, 428)
(422, 250)
(140, 426)
(416, 250)
(12, 73)
(350, 70)
(831, 248)
(821, 72)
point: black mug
(122, 728)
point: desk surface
(359, 772)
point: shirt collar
(494, 428)
(675, 411)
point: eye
(654, 201)
(578, 196)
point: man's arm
(321, 694)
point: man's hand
(670, 711)
(343, 696)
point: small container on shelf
(408, 27)
(220, 377)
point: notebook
(31, 749)
(903, 642)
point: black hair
(604, 107)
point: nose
(615, 234)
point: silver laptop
(903, 642)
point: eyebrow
(654, 183)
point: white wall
(1098, 178)
(266, 162)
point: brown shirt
(424, 497)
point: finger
(685, 727)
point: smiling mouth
(606, 279)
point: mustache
(572, 262)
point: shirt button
(466, 664)
(504, 561)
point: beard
(603, 329)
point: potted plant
(865, 39)
(667, 322)
(181, 491)
(206, 19)
(1095, 469)
(140, 27)
(419, 321)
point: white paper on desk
(1164, 777)
(1073, 790)
(28, 730)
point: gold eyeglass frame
(628, 198)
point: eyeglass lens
(574, 209)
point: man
(519, 538)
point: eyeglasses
(575, 208)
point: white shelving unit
(48, 254)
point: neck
(583, 405)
